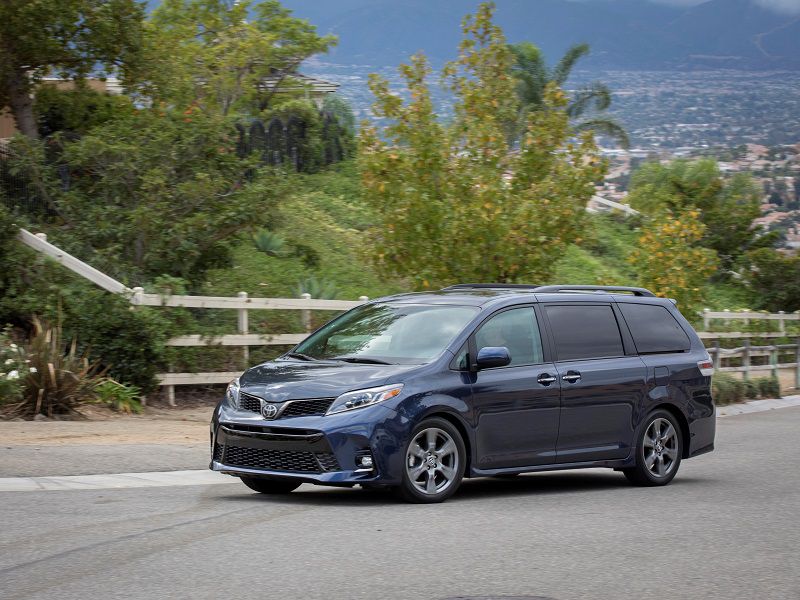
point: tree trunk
(21, 103)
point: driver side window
(517, 330)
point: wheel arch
(456, 422)
(683, 423)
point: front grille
(294, 408)
(276, 460)
(318, 406)
(248, 402)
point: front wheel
(434, 462)
(270, 486)
(658, 451)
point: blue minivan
(416, 391)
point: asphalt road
(728, 527)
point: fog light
(364, 462)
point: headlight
(362, 398)
(232, 393)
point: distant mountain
(624, 34)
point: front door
(516, 407)
(601, 386)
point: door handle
(546, 379)
(572, 376)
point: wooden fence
(722, 357)
(241, 303)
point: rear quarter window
(654, 329)
(582, 331)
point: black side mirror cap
(490, 357)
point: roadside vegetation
(179, 186)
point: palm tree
(585, 105)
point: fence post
(717, 355)
(136, 301)
(773, 360)
(242, 328)
(706, 319)
(797, 364)
(746, 358)
(781, 325)
(305, 314)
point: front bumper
(313, 449)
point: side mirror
(490, 357)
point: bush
(768, 387)
(751, 389)
(128, 342)
(122, 398)
(269, 243)
(14, 368)
(726, 389)
(59, 379)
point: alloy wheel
(660, 448)
(432, 462)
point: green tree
(774, 278)
(71, 38)
(456, 203)
(727, 207)
(221, 53)
(586, 106)
(77, 110)
(668, 260)
(155, 193)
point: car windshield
(387, 333)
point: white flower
(9, 361)
(33, 370)
(13, 375)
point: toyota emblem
(268, 410)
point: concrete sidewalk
(114, 481)
(754, 406)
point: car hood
(293, 380)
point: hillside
(629, 34)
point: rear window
(654, 329)
(582, 331)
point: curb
(113, 481)
(755, 406)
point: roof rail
(636, 291)
(491, 286)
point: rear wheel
(434, 462)
(270, 486)
(658, 451)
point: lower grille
(276, 460)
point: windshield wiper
(362, 359)
(300, 355)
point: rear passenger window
(517, 330)
(654, 329)
(582, 331)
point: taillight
(706, 366)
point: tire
(659, 448)
(270, 486)
(433, 462)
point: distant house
(298, 84)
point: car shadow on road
(534, 484)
